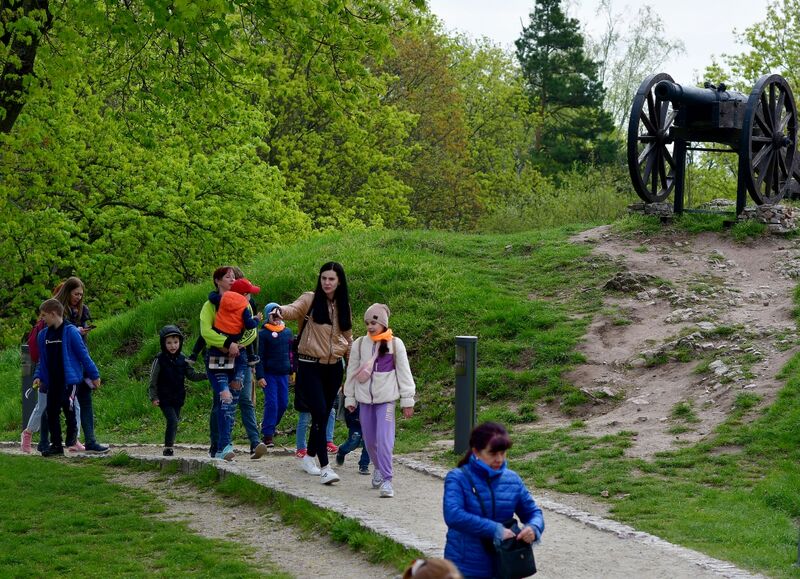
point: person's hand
(235, 385)
(233, 350)
(262, 383)
(96, 383)
(259, 316)
(37, 383)
(527, 534)
(508, 534)
(408, 412)
(226, 397)
(351, 408)
(155, 402)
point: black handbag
(513, 558)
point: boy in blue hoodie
(168, 381)
(63, 363)
(273, 369)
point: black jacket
(169, 372)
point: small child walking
(64, 361)
(168, 381)
(377, 376)
(355, 438)
(273, 369)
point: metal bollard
(29, 395)
(466, 390)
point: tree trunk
(22, 46)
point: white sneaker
(309, 464)
(387, 491)
(328, 476)
(377, 479)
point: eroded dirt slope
(695, 321)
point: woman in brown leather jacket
(325, 330)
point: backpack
(33, 345)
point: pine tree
(563, 86)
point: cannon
(667, 119)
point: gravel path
(576, 543)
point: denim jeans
(246, 404)
(226, 413)
(276, 400)
(304, 420)
(354, 440)
(86, 413)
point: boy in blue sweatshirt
(63, 363)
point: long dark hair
(319, 308)
(489, 435)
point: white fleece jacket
(382, 386)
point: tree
(628, 51)
(565, 91)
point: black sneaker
(212, 451)
(339, 458)
(167, 452)
(268, 441)
(363, 470)
(54, 451)
(96, 448)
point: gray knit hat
(378, 313)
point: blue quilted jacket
(77, 362)
(503, 495)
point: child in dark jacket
(168, 381)
(355, 438)
(273, 369)
(63, 363)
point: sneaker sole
(229, 456)
(330, 482)
(387, 495)
(259, 451)
(94, 451)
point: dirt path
(723, 307)
(577, 544)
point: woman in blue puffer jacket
(473, 526)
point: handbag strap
(475, 492)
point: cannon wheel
(769, 137)
(650, 161)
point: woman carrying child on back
(377, 376)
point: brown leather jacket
(328, 343)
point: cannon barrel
(692, 95)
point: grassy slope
(528, 297)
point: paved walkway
(575, 545)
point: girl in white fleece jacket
(378, 375)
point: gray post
(29, 395)
(466, 389)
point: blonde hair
(432, 569)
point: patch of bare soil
(694, 322)
(272, 545)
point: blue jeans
(304, 420)
(84, 396)
(226, 412)
(246, 404)
(276, 400)
(354, 440)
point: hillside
(645, 367)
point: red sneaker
(300, 453)
(332, 448)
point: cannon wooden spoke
(650, 160)
(768, 140)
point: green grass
(529, 298)
(64, 519)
